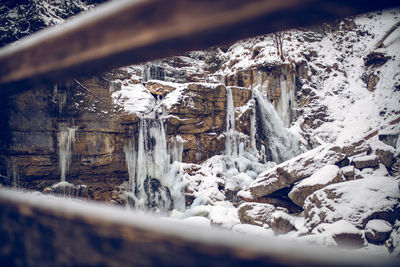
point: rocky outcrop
(294, 170)
(277, 81)
(34, 120)
(199, 118)
(303, 166)
(33, 124)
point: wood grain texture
(128, 32)
(50, 233)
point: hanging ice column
(66, 140)
(286, 100)
(154, 181)
(231, 144)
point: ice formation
(155, 172)
(66, 140)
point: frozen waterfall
(155, 173)
(66, 140)
(281, 144)
(231, 143)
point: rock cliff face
(34, 122)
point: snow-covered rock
(369, 161)
(358, 201)
(329, 174)
(255, 213)
(295, 169)
(377, 231)
(340, 233)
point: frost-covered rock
(377, 231)
(358, 201)
(329, 174)
(369, 161)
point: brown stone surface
(370, 161)
(159, 88)
(385, 157)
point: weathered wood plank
(41, 231)
(128, 32)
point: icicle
(66, 140)
(231, 148)
(286, 100)
(131, 160)
(176, 148)
(253, 128)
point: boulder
(282, 223)
(378, 231)
(329, 174)
(277, 202)
(348, 172)
(295, 169)
(342, 233)
(385, 157)
(358, 201)
(369, 161)
(255, 213)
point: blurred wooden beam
(129, 32)
(46, 231)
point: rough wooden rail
(127, 32)
(44, 231)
